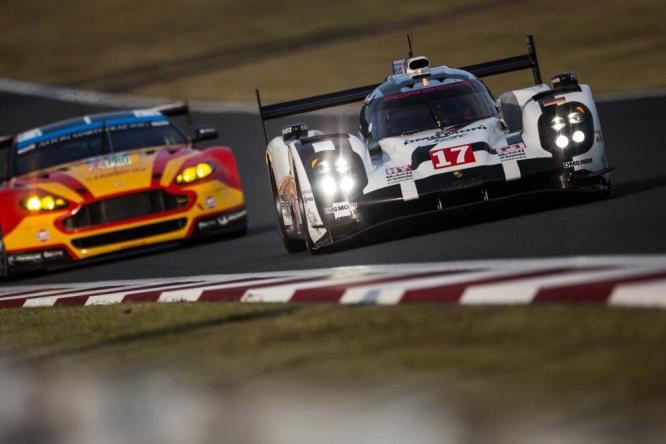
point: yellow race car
(108, 182)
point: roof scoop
(413, 66)
(417, 64)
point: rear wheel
(291, 244)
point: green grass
(290, 48)
(571, 359)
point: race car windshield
(438, 107)
(91, 143)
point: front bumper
(454, 197)
(40, 240)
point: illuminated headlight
(341, 165)
(575, 117)
(328, 185)
(321, 167)
(44, 203)
(346, 184)
(194, 173)
(578, 136)
(557, 123)
(562, 141)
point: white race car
(431, 139)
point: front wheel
(309, 243)
(607, 187)
(291, 244)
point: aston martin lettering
(441, 135)
(399, 174)
(575, 163)
(110, 162)
(452, 156)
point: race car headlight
(342, 165)
(328, 186)
(575, 117)
(35, 204)
(566, 128)
(557, 123)
(578, 136)
(194, 173)
(562, 141)
(347, 184)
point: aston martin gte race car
(431, 139)
(102, 183)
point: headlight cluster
(566, 127)
(36, 204)
(194, 173)
(334, 175)
(571, 120)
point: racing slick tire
(607, 187)
(290, 244)
(309, 243)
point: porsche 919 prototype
(108, 182)
(431, 139)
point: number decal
(452, 156)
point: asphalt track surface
(631, 221)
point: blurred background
(228, 373)
(224, 49)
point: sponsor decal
(227, 218)
(398, 66)
(458, 174)
(455, 83)
(448, 134)
(452, 156)
(147, 113)
(25, 149)
(308, 197)
(43, 235)
(211, 202)
(53, 254)
(32, 134)
(341, 209)
(399, 174)
(551, 102)
(512, 152)
(117, 160)
(575, 163)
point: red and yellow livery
(109, 182)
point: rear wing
(495, 67)
(174, 109)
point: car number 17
(452, 156)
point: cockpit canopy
(429, 104)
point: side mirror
(204, 133)
(374, 148)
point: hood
(402, 148)
(113, 173)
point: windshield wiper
(438, 122)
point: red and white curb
(629, 281)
